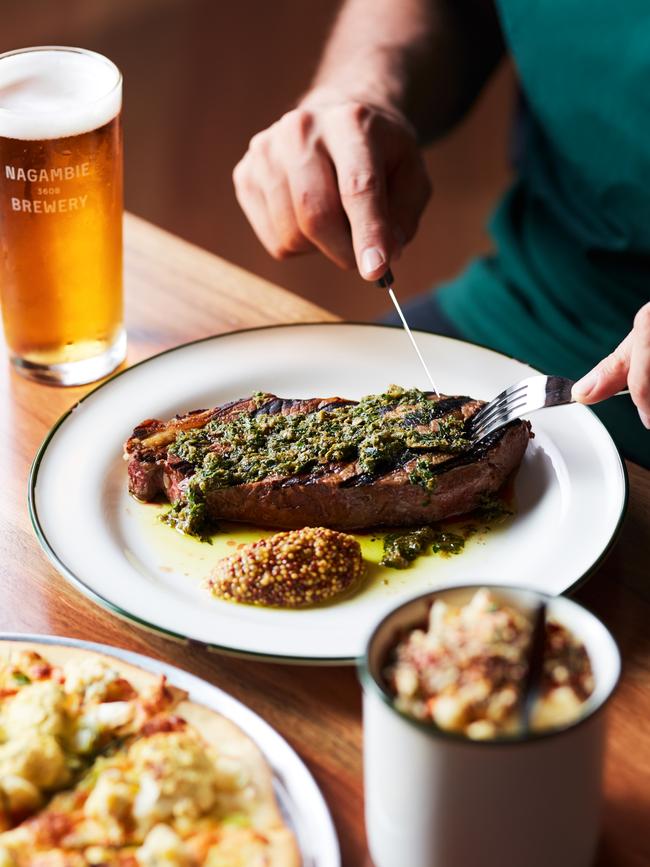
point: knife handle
(387, 280)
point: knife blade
(387, 282)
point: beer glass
(61, 213)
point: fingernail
(645, 419)
(583, 387)
(371, 259)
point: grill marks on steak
(156, 474)
(335, 495)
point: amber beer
(61, 213)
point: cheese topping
(52, 721)
(89, 677)
(156, 796)
(34, 757)
(176, 777)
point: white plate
(299, 798)
(570, 491)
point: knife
(387, 282)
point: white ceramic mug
(437, 799)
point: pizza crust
(214, 728)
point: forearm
(426, 59)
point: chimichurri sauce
(402, 547)
(376, 433)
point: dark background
(202, 76)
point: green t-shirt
(572, 236)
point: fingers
(627, 366)
(287, 188)
(361, 177)
(608, 377)
(264, 196)
(639, 375)
(345, 179)
(318, 210)
(314, 194)
(253, 203)
(288, 239)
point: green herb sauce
(422, 474)
(376, 433)
(190, 516)
(400, 549)
(494, 509)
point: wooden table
(177, 292)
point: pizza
(105, 764)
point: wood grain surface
(177, 292)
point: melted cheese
(159, 790)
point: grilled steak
(398, 459)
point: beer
(61, 213)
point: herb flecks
(493, 509)
(190, 516)
(402, 548)
(373, 433)
(448, 543)
(422, 474)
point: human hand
(628, 364)
(337, 175)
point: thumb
(607, 377)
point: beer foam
(52, 93)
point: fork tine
(504, 395)
(502, 406)
(489, 405)
(499, 404)
(498, 419)
(528, 395)
(489, 431)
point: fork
(532, 393)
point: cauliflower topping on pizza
(162, 846)
(465, 671)
(54, 719)
(94, 770)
